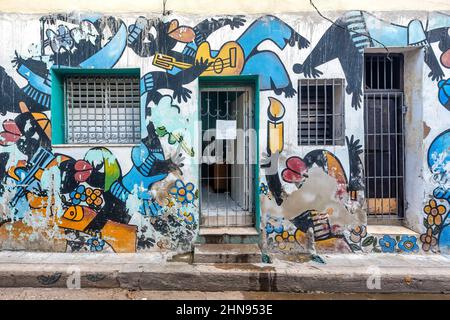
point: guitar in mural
(228, 61)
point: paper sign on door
(226, 129)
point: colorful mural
(147, 199)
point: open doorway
(384, 137)
(227, 169)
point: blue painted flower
(263, 188)
(269, 228)
(408, 244)
(184, 193)
(387, 243)
(96, 244)
(78, 195)
(278, 229)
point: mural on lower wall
(436, 222)
(53, 201)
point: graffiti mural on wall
(357, 30)
(91, 203)
(437, 235)
(197, 58)
(298, 171)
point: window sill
(390, 229)
(93, 145)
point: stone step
(231, 235)
(227, 253)
(380, 230)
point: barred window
(321, 112)
(102, 109)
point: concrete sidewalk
(349, 273)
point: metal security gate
(384, 137)
(227, 168)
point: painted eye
(100, 168)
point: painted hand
(354, 147)
(182, 93)
(302, 42)
(177, 161)
(236, 22)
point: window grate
(102, 109)
(321, 112)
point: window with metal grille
(321, 112)
(102, 109)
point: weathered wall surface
(126, 199)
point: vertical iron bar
(325, 113)
(317, 115)
(396, 156)
(95, 110)
(389, 147)
(217, 153)
(309, 114)
(375, 153)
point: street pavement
(341, 273)
(123, 294)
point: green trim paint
(232, 81)
(58, 106)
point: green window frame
(58, 108)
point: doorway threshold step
(232, 231)
(227, 253)
(228, 235)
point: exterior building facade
(140, 132)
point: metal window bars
(321, 112)
(102, 109)
(384, 137)
(226, 197)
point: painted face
(439, 157)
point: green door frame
(244, 80)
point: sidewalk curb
(183, 276)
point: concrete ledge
(390, 230)
(341, 273)
(232, 231)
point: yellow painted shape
(229, 61)
(276, 139)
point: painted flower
(428, 240)
(284, 237)
(94, 196)
(96, 244)
(387, 243)
(78, 195)
(263, 188)
(358, 233)
(408, 244)
(184, 193)
(186, 215)
(270, 228)
(434, 213)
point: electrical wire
(342, 27)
